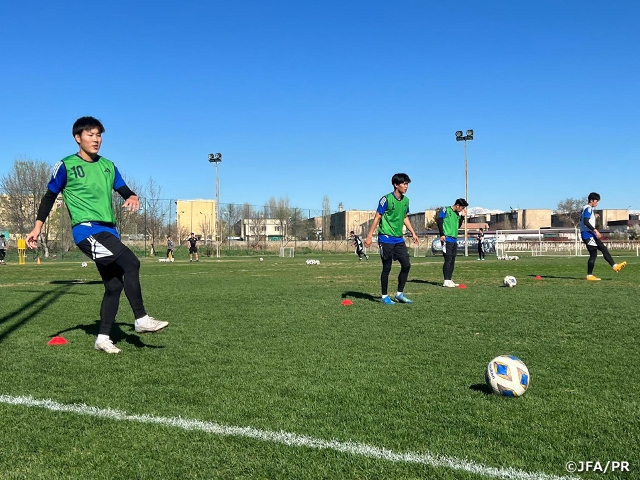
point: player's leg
(607, 256)
(386, 255)
(130, 265)
(402, 255)
(449, 262)
(593, 255)
(113, 285)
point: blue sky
(307, 99)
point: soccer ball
(508, 375)
(261, 259)
(84, 264)
(509, 281)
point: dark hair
(192, 233)
(594, 196)
(352, 232)
(86, 123)
(462, 202)
(400, 178)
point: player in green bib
(391, 217)
(449, 221)
(86, 181)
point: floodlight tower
(217, 158)
(464, 138)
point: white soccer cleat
(449, 283)
(106, 346)
(149, 324)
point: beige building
(197, 216)
(421, 220)
(342, 223)
(528, 218)
(263, 229)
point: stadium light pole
(217, 158)
(464, 138)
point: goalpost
(287, 252)
(556, 242)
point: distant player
(357, 242)
(87, 181)
(391, 215)
(480, 238)
(591, 238)
(193, 247)
(170, 247)
(3, 248)
(449, 222)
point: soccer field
(263, 373)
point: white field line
(285, 438)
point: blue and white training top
(587, 222)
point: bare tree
(280, 210)
(24, 187)
(128, 221)
(232, 215)
(571, 209)
(156, 211)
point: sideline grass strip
(289, 439)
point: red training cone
(346, 301)
(57, 341)
(462, 285)
(538, 277)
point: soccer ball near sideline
(508, 375)
(509, 281)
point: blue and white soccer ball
(508, 375)
(510, 281)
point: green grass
(269, 345)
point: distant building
(261, 229)
(528, 218)
(197, 216)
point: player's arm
(440, 224)
(131, 200)
(407, 223)
(56, 184)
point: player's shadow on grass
(116, 334)
(553, 276)
(428, 282)
(361, 296)
(482, 388)
(76, 282)
(30, 309)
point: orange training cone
(38, 262)
(57, 341)
(346, 301)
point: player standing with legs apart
(193, 247)
(86, 181)
(591, 238)
(480, 238)
(391, 215)
(357, 242)
(449, 222)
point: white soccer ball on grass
(83, 264)
(508, 375)
(509, 281)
